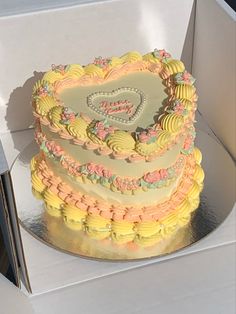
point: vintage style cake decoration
(117, 157)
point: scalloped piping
(154, 211)
(99, 173)
(144, 225)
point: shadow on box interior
(12, 262)
(19, 105)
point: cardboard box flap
(12, 261)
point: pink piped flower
(54, 149)
(39, 137)
(99, 125)
(64, 164)
(143, 137)
(67, 116)
(101, 134)
(43, 91)
(91, 168)
(163, 174)
(99, 170)
(187, 143)
(102, 129)
(120, 184)
(101, 62)
(72, 169)
(179, 108)
(96, 169)
(184, 78)
(152, 132)
(106, 173)
(57, 151)
(161, 54)
(152, 177)
(147, 136)
(62, 69)
(50, 145)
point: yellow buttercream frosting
(53, 203)
(73, 216)
(173, 66)
(72, 71)
(78, 128)
(52, 199)
(151, 58)
(39, 85)
(37, 182)
(52, 76)
(198, 174)
(172, 122)
(197, 155)
(163, 138)
(146, 149)
(55, 116)
(168, 224)
(98, 227)
(94, 138)
(33, 164)
(115, 61)
(132, 56)
(75, 71)
(121, 141)
(194, 204)
(148, 229)
(122, 231)
(183, 207)
(93, 71)
(188, 105)
(183, 213)
(184, 220)
(44, 104)
(74, 213)
(194, 191)
(185, 91)
(148, 241)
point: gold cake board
(217, 200)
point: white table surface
(198, 283)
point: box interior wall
(77, 34)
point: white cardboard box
(31, 42)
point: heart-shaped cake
(117, 157)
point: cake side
(145, 225)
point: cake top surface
(127, 103)
(132, 107)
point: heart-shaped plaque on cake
(123, 104)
